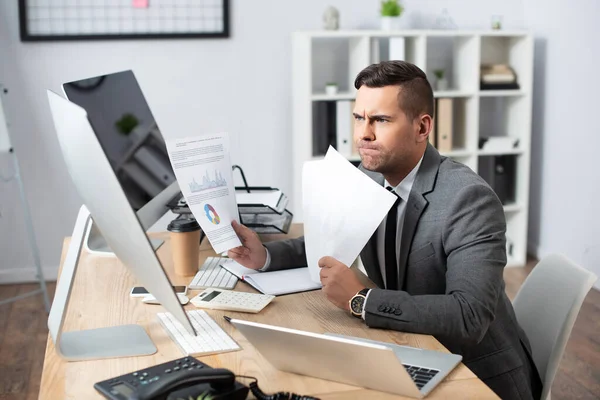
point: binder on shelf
(344, 127)
(443, 124)
(500, 173)
(323, 126)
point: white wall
(240, 85)
(565, 181)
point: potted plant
(391, 10)
(331, 88)
(126, 124)
(441, 81)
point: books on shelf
(443, 124)
(497, 77)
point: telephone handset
(175, 379)
(218, 380)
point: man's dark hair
(415, 96)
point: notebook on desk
(275, 283)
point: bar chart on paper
(207, 183)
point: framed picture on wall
(45, 20)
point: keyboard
(211, 337)
(421, 376)
(211, 274)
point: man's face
(387, 140)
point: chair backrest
(546, 307)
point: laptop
(386, 367)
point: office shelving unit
(324, 56)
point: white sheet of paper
(203, 169)
(342, 209)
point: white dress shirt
(403, 191)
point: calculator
(219, 299)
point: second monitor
(131, 139)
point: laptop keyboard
(421, 376)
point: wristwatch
(357, 302)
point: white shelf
(452, 93)
(338, 56)
(333, 97)
(500, 153)
(501, 93)
(458, 153)
(410, 33)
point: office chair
(546, 307)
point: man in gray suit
(438, 257)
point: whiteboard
(114, 19)
(4, 138)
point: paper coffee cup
(185, 245)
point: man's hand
(251, 254)
(339, 282)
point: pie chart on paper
(211, 214)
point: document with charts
(342, 209)
(203, 169)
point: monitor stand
(115, 341)
(95, 243)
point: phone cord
(260, 395)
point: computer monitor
(134, 146)
(110, 209)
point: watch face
(357, 304)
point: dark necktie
(391, 261)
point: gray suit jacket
(453, 252)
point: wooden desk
(100, 297)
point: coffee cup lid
(183, 225)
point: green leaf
(391, 8)
(127, 123)
(205, 396)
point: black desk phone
(183, 378)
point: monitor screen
(127, 132)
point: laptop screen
(127, 132)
